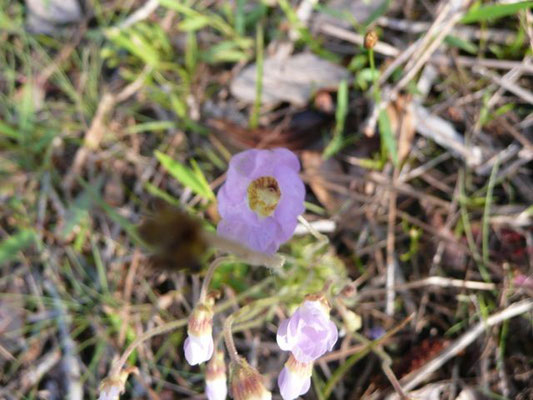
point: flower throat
(264, 195)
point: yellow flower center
(263, 195)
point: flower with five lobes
(198, 346)
(246, 383)
(294, 379)
(215, 378)
(308, 333)
(261, 199)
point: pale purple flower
(309, 333)
(294, 379)
(261, 199)
(198, 347)
(216, 389)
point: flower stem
(228, 340)
(250, 256)
(374, 75)
(209, 275)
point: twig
(440, 59)
(519, 91)
(391, 256)
(439, 281)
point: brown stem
(209, 275)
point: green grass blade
(387, 136)
(494, 11)
(341, 112)
(194, 178)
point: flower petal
(216, 389)
(198, 349)
(333, 336)
(282, 336)
(291, 385)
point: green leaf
(5, 129)
(387, 136)
(194, 178)
(337, 141)
(494, 11)
(194, 23)
(462, 44)
(15, 243)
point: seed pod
(371, 38)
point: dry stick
(416, 377)
(519, 91)
(501, 36)
(428, 52)
(391, 258)
(438, 281)
(483, 62)
(418, 54)
(435, 27)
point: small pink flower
(309, 333)
(198, 346)
(261, 199)
(215, 378)
(294, 379)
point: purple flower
(294, 379)
(198, 347)
(261, 199)
(309, 333)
